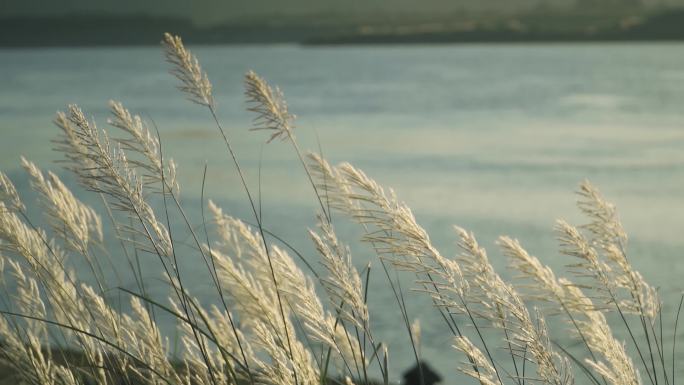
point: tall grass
(276, 318)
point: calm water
(494, 138)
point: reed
(279, 318)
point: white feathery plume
(185, 66)
(299, 292)
(8, 193)
(24, 339)
(605, 225)
(104, 168)
(504, 307)
(391, 228)
(616, 366)
(609, 276)
(47, 263)
(114, 328)
(254, 295)
(343, 283)
(203, 360)
(608, 234)
(332, 184)
(80, 310)
(248, 278)
(145, 143)
(32, 245)
(283, 365)
(644, 297)
(74, 221)
(545, 287)
(28, 300)
(252, 300)
(248, 282)
(269, 106)
(29, 361)
(485, 373)
(146, 343)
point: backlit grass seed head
(142, 141)
(542, 282)
(283, 363)
(485, 373)
(615, 364)
(574, 244)
(185, 66)
(19, 239)
(70, 218)
(270, 107)
(505, 309)
(27, 357)
(644, 298)
(342, 283)
(609, 236)
(27, 298)
(103, 167)
(332, 184)
(8, 193)
(390, 228)
(605, 224)
(589, 322)
(612, 278)
(245, 274)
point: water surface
(494, 138)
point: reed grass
(277, 319)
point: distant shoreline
(91, 31)
(354, 43)
(359, 43)
(464, 40)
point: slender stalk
(218, 281)
(674, 338)
(308, 174)
(261, 232)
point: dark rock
(429, 377)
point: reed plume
(269, 106)
(185, 66)
(478, 366)
(588, 321)
(607, 233)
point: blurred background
(83, 22)
(484, 114)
